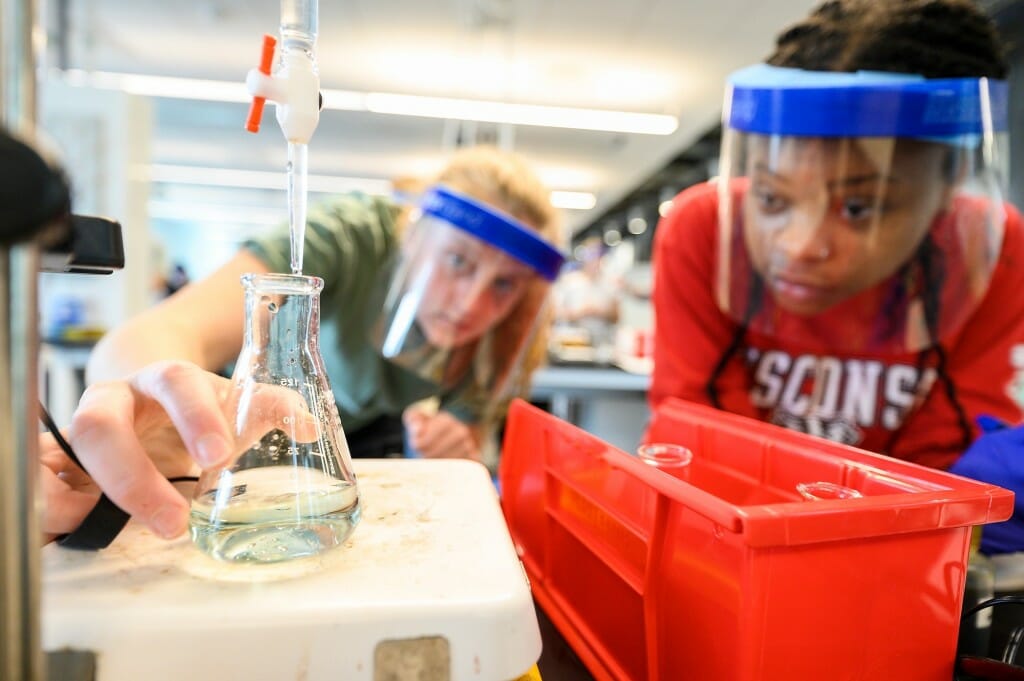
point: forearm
(202, 323)
(141, 341)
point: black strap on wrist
(104, 522)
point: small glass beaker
(665, 455)
(290, 491)
(825, 491)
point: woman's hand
(997, 457)
(440, 435)
(158, 423)
(68, 492)
(132, 435)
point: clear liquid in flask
(269, 525)
(290, 492)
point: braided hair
(932, 38)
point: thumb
(413, 418)
(990, 424)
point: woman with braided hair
(854, 272)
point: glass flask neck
(281, 304)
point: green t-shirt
(351, 244)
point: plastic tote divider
(723, 570)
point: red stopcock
(252, 122)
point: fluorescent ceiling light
(258, 179)
(327, 184)
(392, 104)
(159, 86)
(521, 114)
(573, 200)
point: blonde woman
(474, 260)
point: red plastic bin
(723, 572)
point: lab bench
(429, 586)
(602, 399)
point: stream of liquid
(298, 173)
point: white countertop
(431, 562)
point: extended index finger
(192, 398)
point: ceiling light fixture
(159, 86)
(573, 200)
(327, 184)
(521, 114)
(257, 179)
(390, 103)
(637, 225)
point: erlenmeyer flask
(290, 491)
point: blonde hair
(504, 180)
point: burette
(295, 87)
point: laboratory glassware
(289, 491)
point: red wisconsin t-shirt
(881, 402)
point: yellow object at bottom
(532, 675)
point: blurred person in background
(854, 272)
(587, 298)
(176, 280)
(477, 248)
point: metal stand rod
(17, 68)
(20, 646)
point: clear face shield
(861, 211)
(466, 293)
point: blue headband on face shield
(494, 228)
(772, 100)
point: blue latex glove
(997, 457)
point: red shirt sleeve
(691, 333)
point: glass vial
(671, 458)
(290, 491)
(665, 455)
